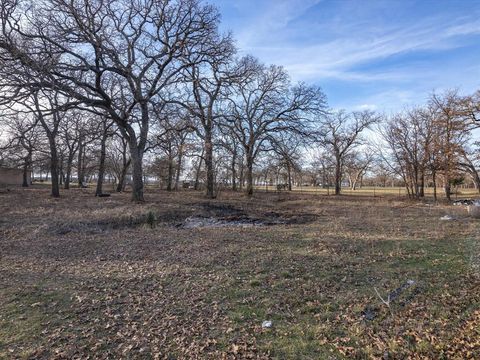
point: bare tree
(324, 166)
(203, 96)
(232, 146)
(77, 131)
(410, 137)
(340, 133)
(470, 162)
(24, 139)
(357, 163)
(113, 55)
(453, 135)
(118, 160)
(46, 106)
(263, 103)
(169, 135)
(288, 147)
(106, 132)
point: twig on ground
(386, 302)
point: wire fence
(371, 191)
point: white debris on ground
(472, 206)
(466, 202)
(447, 217)
(267, 324)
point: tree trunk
(289, 174)
(101, 166)
(54, 167)
(26, 166)
(80, 175)
(355, 180)
(170, 172)
(125, 164)
(434, 180)
(249, 175)
(415, 182)
(234, 171)
(422, 185)
(179, 167)
(448, 190)
(338, 176)
(241, 178)
(25, 177)
(123, 175)
(447, 185)
(61, 174)
(199, 168)
(409, 194)
(136, 156)
(121, 182)
(68, 175)
(209, 165)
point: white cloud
(372, 107)
(271, 36)
(274, 19)
(469, 28)
(349, 45)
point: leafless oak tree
(112, 55)
(263, 103)
(340, 133)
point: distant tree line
(436, 141)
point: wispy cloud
(377, 53)
(275, 18)
(372, 107)
(338, 58)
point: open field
(182, 277)
(399, 192)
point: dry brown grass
(82, 276)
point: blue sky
(382, 55)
